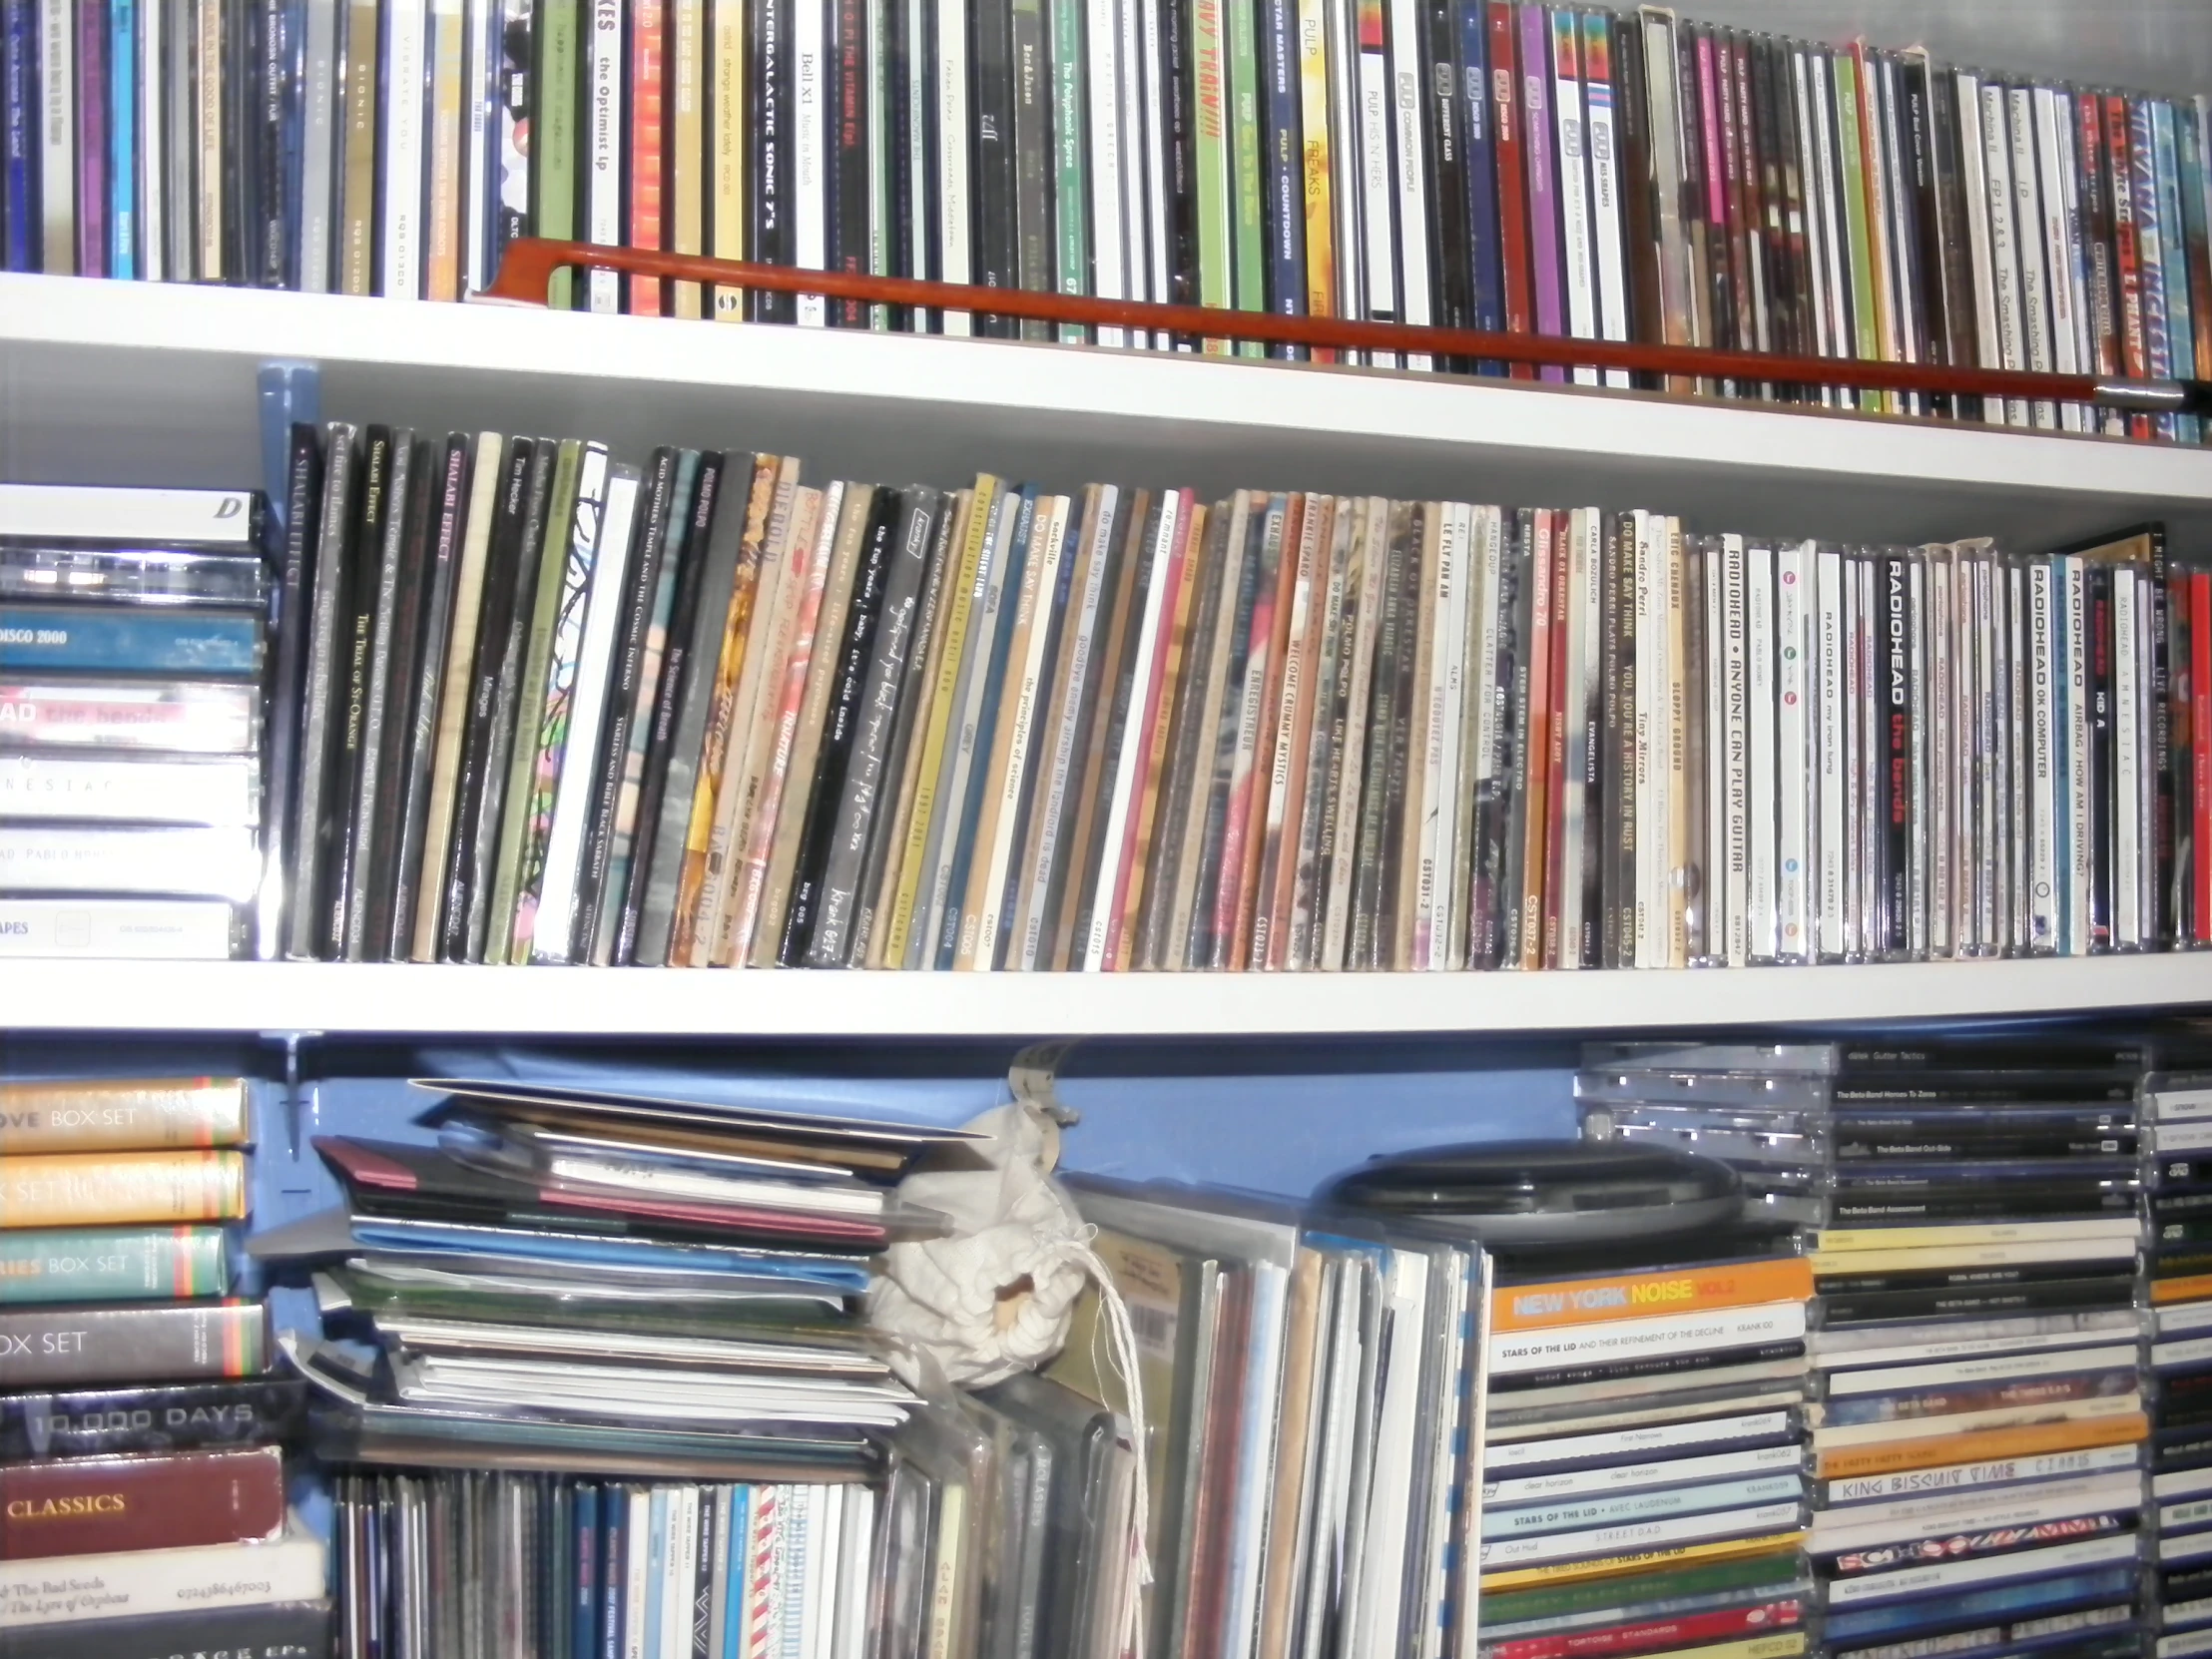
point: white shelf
(113, 381)
(106, 381)
(340, 1000)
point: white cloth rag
(994, 1295)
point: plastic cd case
(1799, 1059)
(1776, 1151)
(137, 575)
(204, 863)
(137, 789)
(1704, 1088)
(168, 929)
(177, 716)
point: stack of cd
(1972, 1210)
(1644, 1458)
(131, 644)
(1760, 1107)
(1979, 1440)
(603, 1283)
(2178, 1167)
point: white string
(1121, 1340)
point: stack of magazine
(131, 649)
(1644, 1449)
(530, 1456)
(600, 1284)
(2177, 1112)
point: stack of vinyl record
(131, 643)
(141, 1469)
(1980, 1443)
(1310, 1378)
(1644, 1456)
(2178, 1128)
(602, 1284)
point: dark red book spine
(1512, 187)
(105, 1506)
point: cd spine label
(173, 1418)
(170, 930)
(178, 717)
(212, 862)
(66, 1189)
(98, 1505)
(137, 642)
(131, 1114)
(230, 519)
(112, 1264)
(219, 792)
